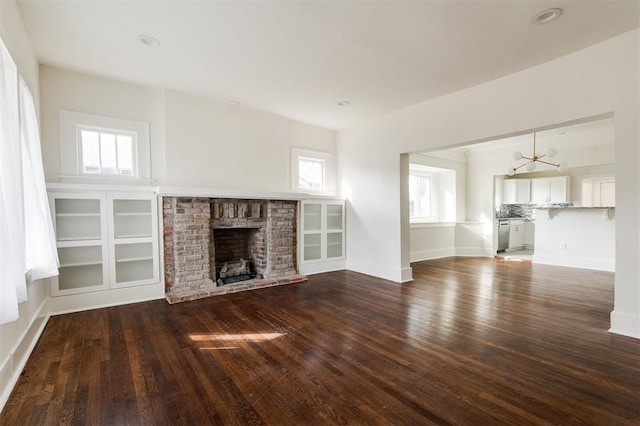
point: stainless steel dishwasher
(503, 235)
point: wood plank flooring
(469, 342)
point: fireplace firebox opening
(236, 254)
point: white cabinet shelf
(77, 214)
(129, 236)
(106, 240)
(322, 236)
(83, 238)
(134, 259)
(133, 214)
(70, 265)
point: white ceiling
(298, 58)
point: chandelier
(535, 158)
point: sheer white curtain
(13, 288)
(27, 241)
(41, 256)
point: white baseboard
(625, 324)
(474, 252)
(14, 363)
(576, 262)
(406, 274)
(417, 256)
(320, 267)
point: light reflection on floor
(225, 338)
(518, 255)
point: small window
(311, 174)
(312, 171)
(107, 152)
(95, 146)
(419, 197)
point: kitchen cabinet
(529, 234)
(559, 190)
(516, 234)
(553, 190)
(106, 240)
(322, 236)
(515, 191)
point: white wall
(63, 89)
(432, 241)
(581, 238)
(18, 337)
(218, 145)
(599, 80)
(194, 141)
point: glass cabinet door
(81, 268)
(77, 219)
(312, 217)
(133, 241)
(134, 262)
(334, 244)
(132, 218)
(312, 231)
(80, 231)
(334, 216)
(322, 231)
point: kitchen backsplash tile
(524, 211)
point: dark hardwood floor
(469, 341)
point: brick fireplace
(206, 239)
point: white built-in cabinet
(322, 236)
(106, 240)
(551, 190)
(516, 234)
(515, 191)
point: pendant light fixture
(535, 158)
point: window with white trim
(107, 152)
(312, 171)
(95, 146)
(432, 194)
(419, 197)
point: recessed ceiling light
(342, 103)
(149, 41)
(547, 16)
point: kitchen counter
(580, 237)
(573, 208)
(608, 213)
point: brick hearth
(189, 234)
